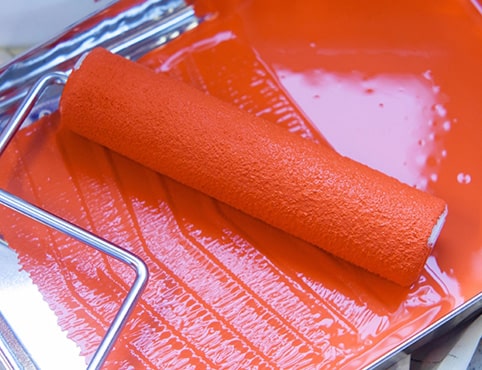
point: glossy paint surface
(397, 88)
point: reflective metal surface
(129, 31)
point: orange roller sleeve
(305, 189)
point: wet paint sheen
(226, 290)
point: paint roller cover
(305, 189)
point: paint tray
(226, 290)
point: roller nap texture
(305, 189)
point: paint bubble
(464, 178)
(446, 125)
(427, 75)
(440, 110)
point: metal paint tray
(136, 30)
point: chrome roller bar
(46, 218)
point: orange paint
(226, 289)
(306, 189)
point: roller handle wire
(46, 218)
